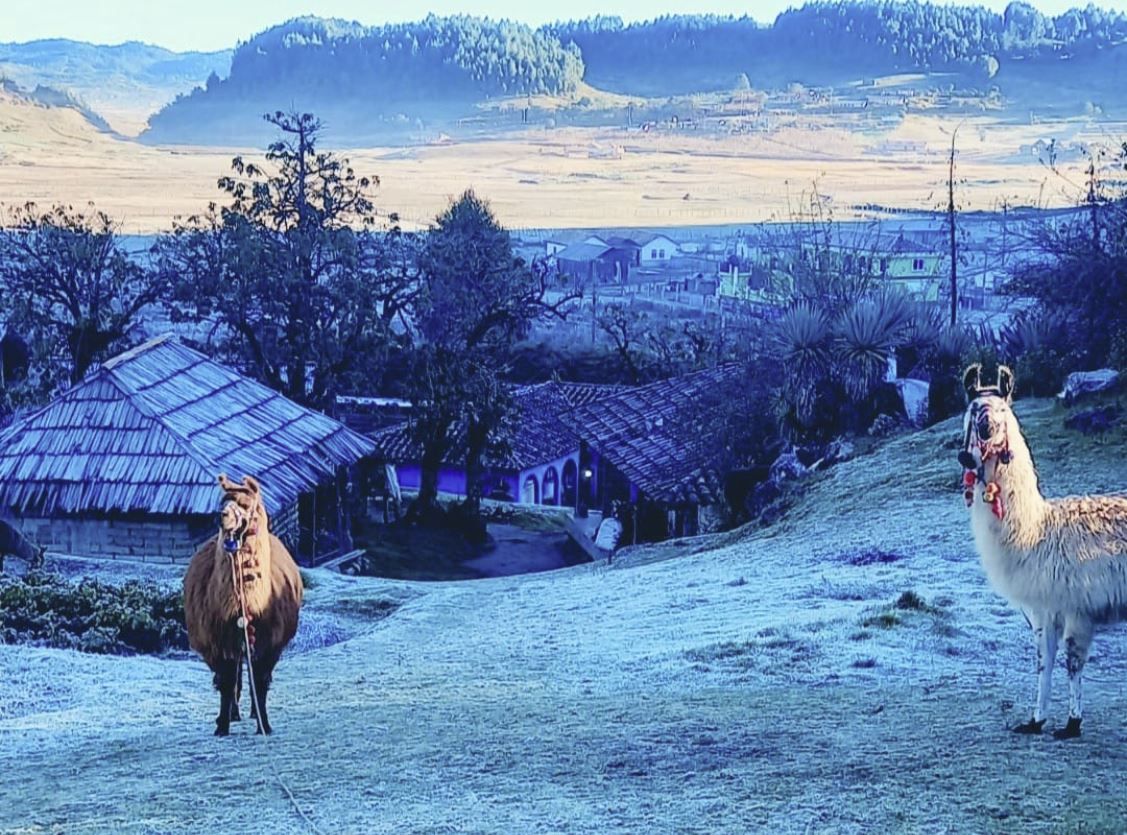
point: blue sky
(217, 24)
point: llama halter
(234, 544)
(988, 448)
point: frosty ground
(760, 681)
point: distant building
(590, 263)
(541, 464)
(656, 249)
(912, 261)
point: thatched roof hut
(144, 436)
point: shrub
(48, 610)
(1094, 421)
(1038, 348)
(911, 600)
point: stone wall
(147, 538)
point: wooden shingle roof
(152, 428)
(659, 435)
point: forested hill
(821, 41)
(320, 64)
(368, 74)
(439, 57)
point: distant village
(750, 269)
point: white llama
(1063, 562)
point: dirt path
(770, 685)
(519, 551)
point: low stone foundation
(147, 538)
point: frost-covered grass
(724, 685)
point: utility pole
(951, 228)
(594, 308)
(1093, 200)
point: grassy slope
(737, 689)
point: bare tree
(626, 328)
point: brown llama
(242, 568)
(1062, 562)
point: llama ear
(972, 380)
(226, 484)
(251, 484)
(1006, 383)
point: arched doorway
(530, 491)
(551, 492)
(570, 484)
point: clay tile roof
(539, 435)
(657, 435)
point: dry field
(596, 177)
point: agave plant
(803, 334)
(1028, 333)
(804, 339)
(866, 335)
(951, 350)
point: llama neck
(256, 564)
(1025, 507)
(252, 567)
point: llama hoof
(1030, 727)
(1069, 731)
(222, 730)
(264, 729)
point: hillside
(762, 681)
(829, 42)
(125, 82)
(50, 98)
(410, 79)
(368, 80)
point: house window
(653, 253)
(550, 493)
(883, 266)
(918, 265)
(661, 253)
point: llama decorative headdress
(972, 383)
(979, 436)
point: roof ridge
(137, 350)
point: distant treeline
(688, 53)
(406, 68)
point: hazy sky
(217, 24)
